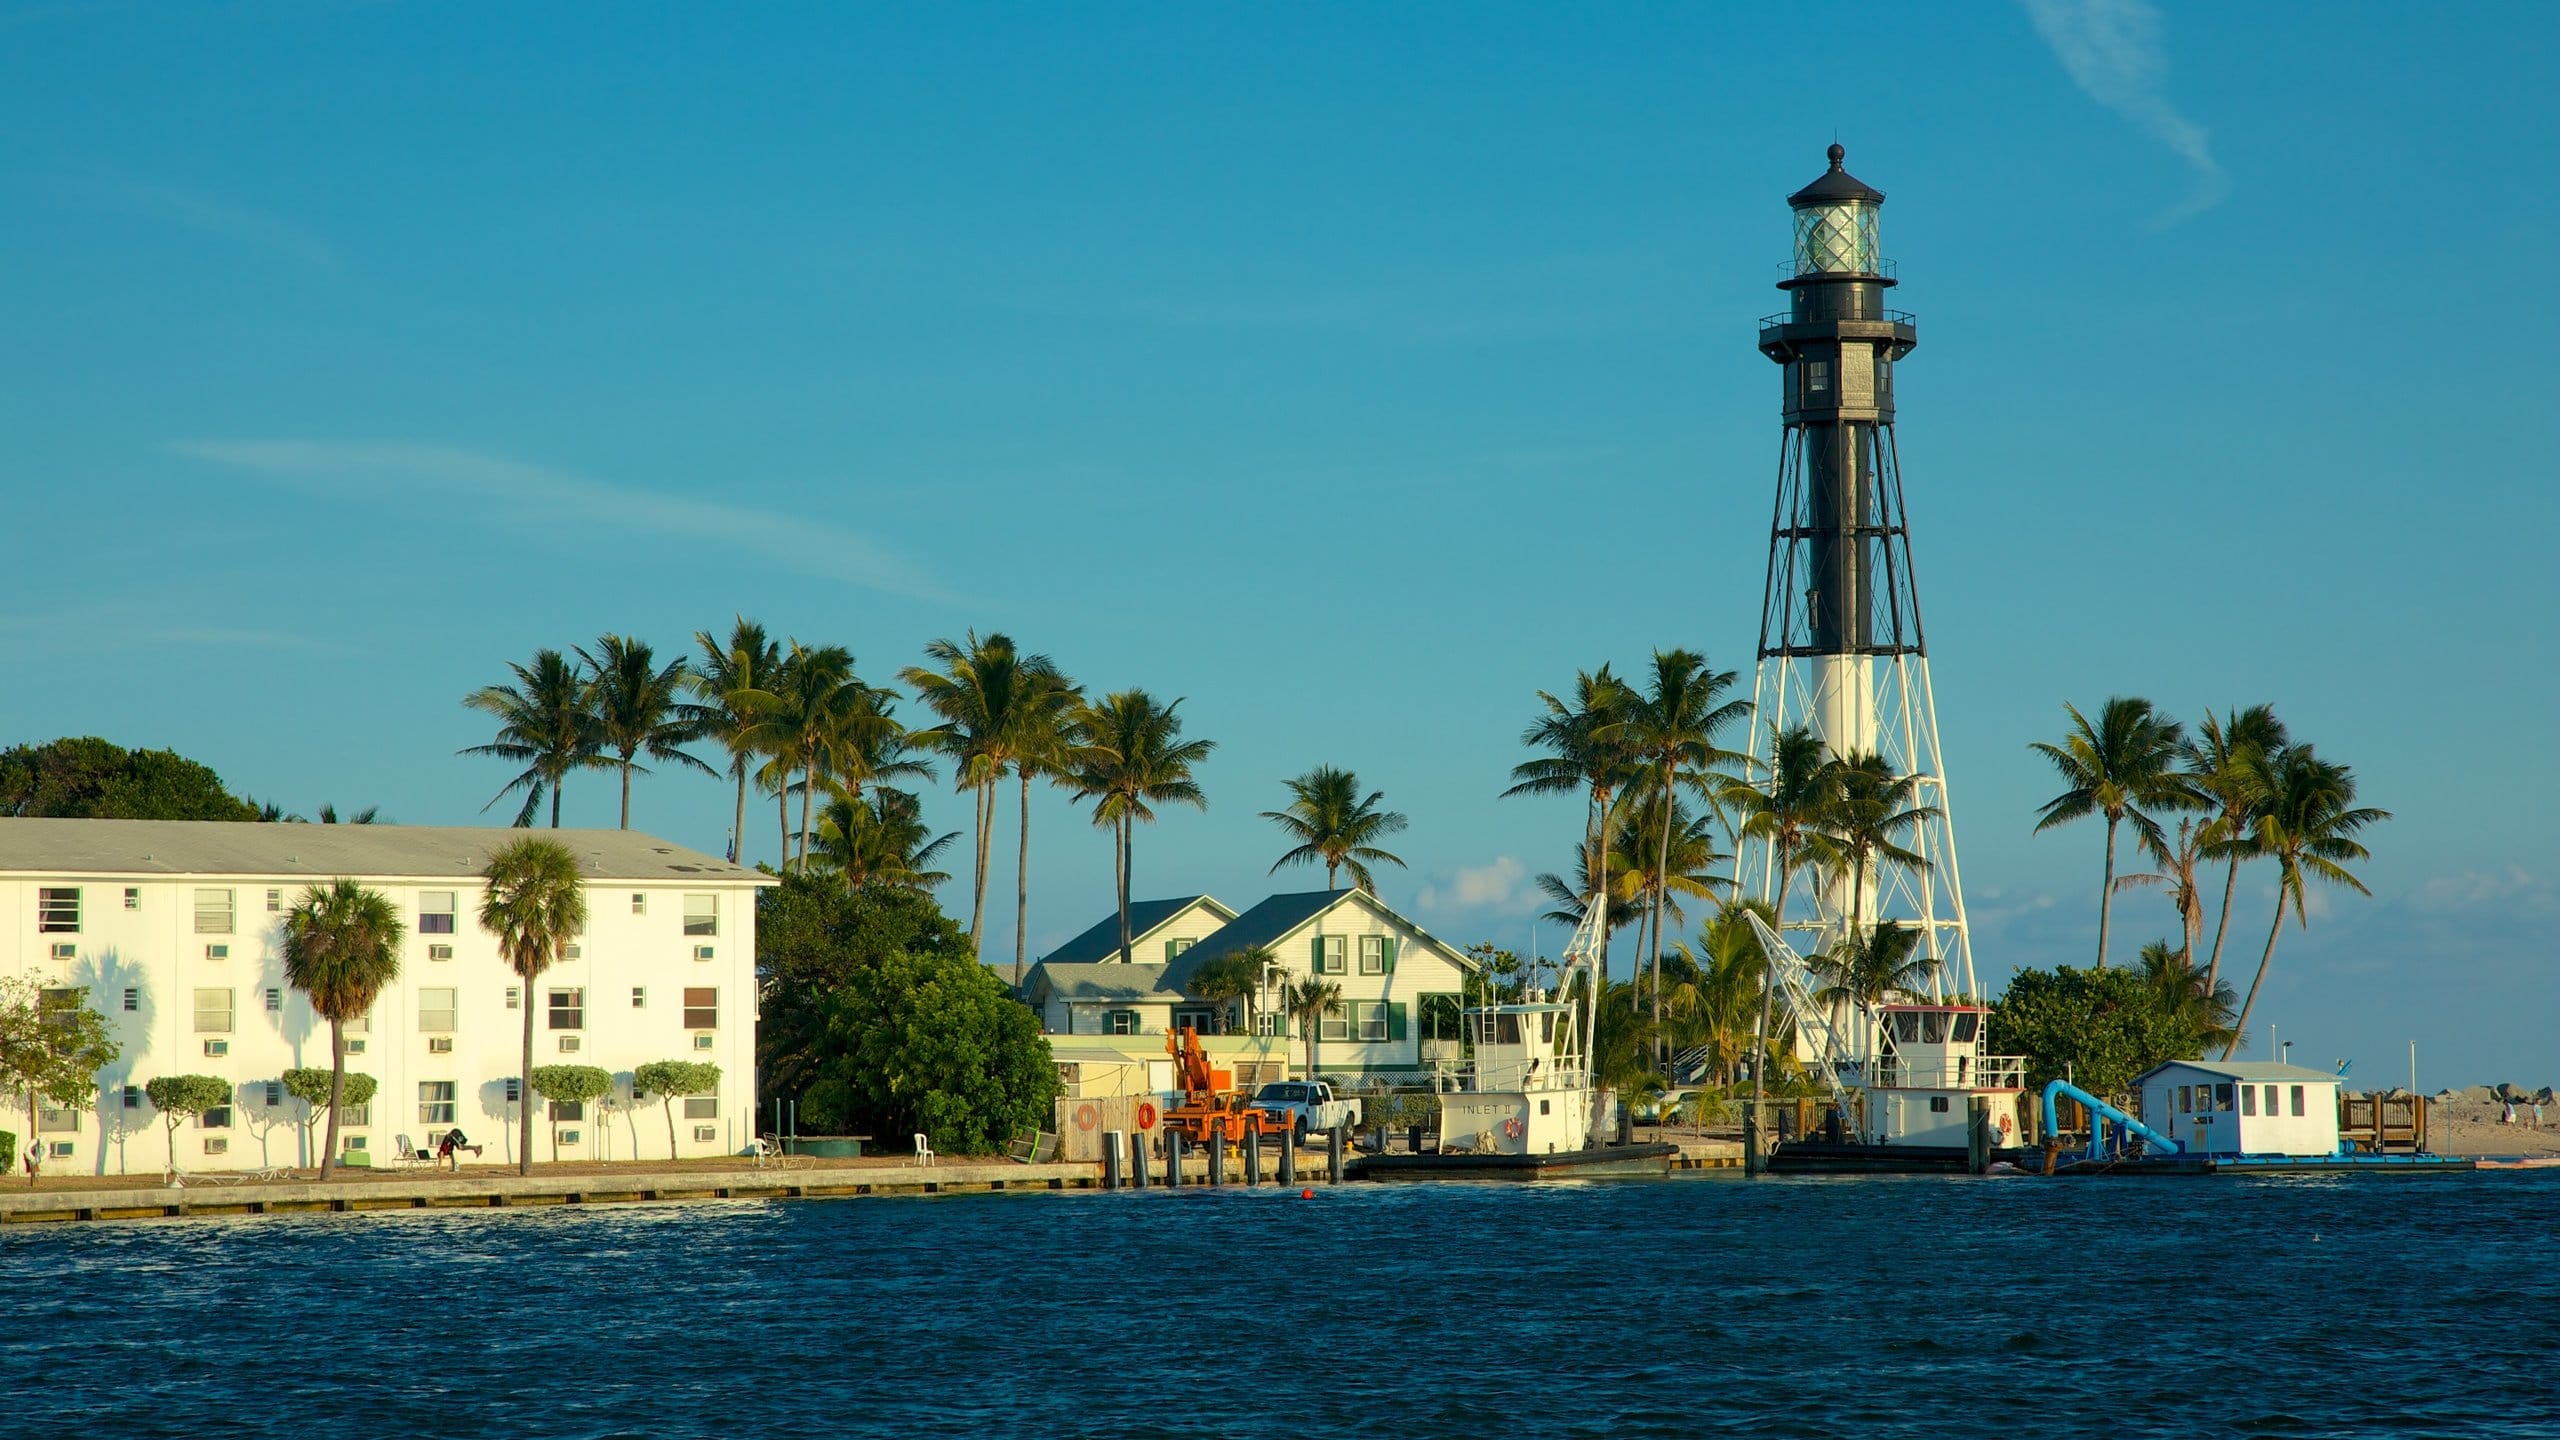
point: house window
(2297, 1102)
(570, 1112)
(1373, 1019)
(133, 897)
(1332, 954)
(701, 1007)
(435, 912)
(702, 914)
(702, 1107)
(1373, 954)
(132, 999)
(275, 998)
(1440, 1017)
(58, 910)
(213, 912)
(1120, 1022)
(1173, 949)
(1937, 1104)
(2222, 1098)
(217, 1118)
(1334, 1026)
(213, 1012)
(639, 997)
(2248, 1099)
(1270, 1023)
(569, 1009)
(57, 1120)
(1204, 1021)
(435, 1102)
(436, 1004)
(275, 902)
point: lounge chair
(410, 1154)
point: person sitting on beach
(450, 1148)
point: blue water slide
(2100, 1113)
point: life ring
(1087, 1117)
(1146, 1114)
(1512, 1129)
(2004, 1127)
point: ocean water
(1700, 1306)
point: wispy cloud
(539, 497)
(1500, 887)
(133, 627)
(222, 219)
(2113, 51)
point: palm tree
(2177, 860)
(535, 902)
(818, 711)
(1785, 817)
(2200, 1006)
(2307, 825)
(1307, 1001)
(544, 724)
(1335, 826)
(1713, 997)
(879, 839)
(1866, 968)
(1588, 754)
(2224, 769)
(992, 699)
(341, 950)
(1128, 757)
(1232, 978)
(639, 707)
(1867, 810)
(1654, 873)
(1043, 745)
(1672, 728)
(732, 685)
(2127, 761)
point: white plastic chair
(410, 1154)
(924, 1149)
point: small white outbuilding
(2244, 1107)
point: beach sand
(2470, 1127)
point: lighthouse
(1842, 651)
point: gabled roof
(2242, 1070)
(1273, 919)
(136, 848)
(1101, 941)
(1098, 980)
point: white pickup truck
(1308, 1105)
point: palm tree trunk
(738, 828)
(1661, 894)
(337, 1093)
(1022, 878)
(556, 787)
(2107, 893)
(1768, 993)
(782, 817)
(1127, 830)
(524, 1089)
(2230, 881)
(808, 787)
(1596, 875)
(626, 792)
(2240, 1027)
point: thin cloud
(219, 218)
(2113, 51)
(1501, 887)
(128, 627)
(538, 497)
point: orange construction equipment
(1210, 1106)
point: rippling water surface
(1871, 1307)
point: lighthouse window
(1817, 377)
(1884, 372)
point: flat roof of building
(2243, 1070)
(115, 848)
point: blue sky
(1351, 372)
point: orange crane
(1210, 1105)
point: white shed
(2225, 1107)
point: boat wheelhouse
(1527, 1091)
(1930, 1063)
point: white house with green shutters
(1400, 985)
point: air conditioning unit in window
(568, 1044)
(66, 950)
(702, 952)
(704, 1042)
(61, 1149)
(439, 1044)
(706, 1132)
(569, 1137)
(217, 1144)
(217, 952)
(355, 1047)
(217, 1047)
(439, 952)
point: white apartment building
(173, 930)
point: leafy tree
(638, 707)
(86, 777)
(2307, 824)
(1129, 756)
(52, 1045)
(732, 684)
(1308, 1001)
(545, 724)
(180, 1098)
(2100, 1027)
(567, 1085)
(534, 901)
(1499, 975)
(670, 1081)
(2122, 767)
(341, 950)
(2225, 767)
(812, 937)
(1335, 826)
(314, 1087)
(999, 708)
(933, 1043)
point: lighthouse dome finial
(1838, 154)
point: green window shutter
(1168, 952)
(1316, 967)
(1395, 1016)
(1389, 947)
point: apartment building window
(702, 914)
(58, 910)
(275, 999)
(57, 1120)
(217, 1118)
(1373, 954)
(701, 1007)
(1334, 1026)
(515, 997)
(639, 903)
(570, 1112)
(639, 997)
(436, 1007)
(702, 1107)
(275, 902)
(213, 912)
(513, 1089)
(56, 1002)
(275, 1093)
(360, 1025)
(133, 897)
(1372, 1016)
(1333, 955)
(435, 1102)
(213, 1012)
(569, 1009)
(133, 1097)
(435, 912)
(355, 1117)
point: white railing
(1957, 1072)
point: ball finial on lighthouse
(1838, 153)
